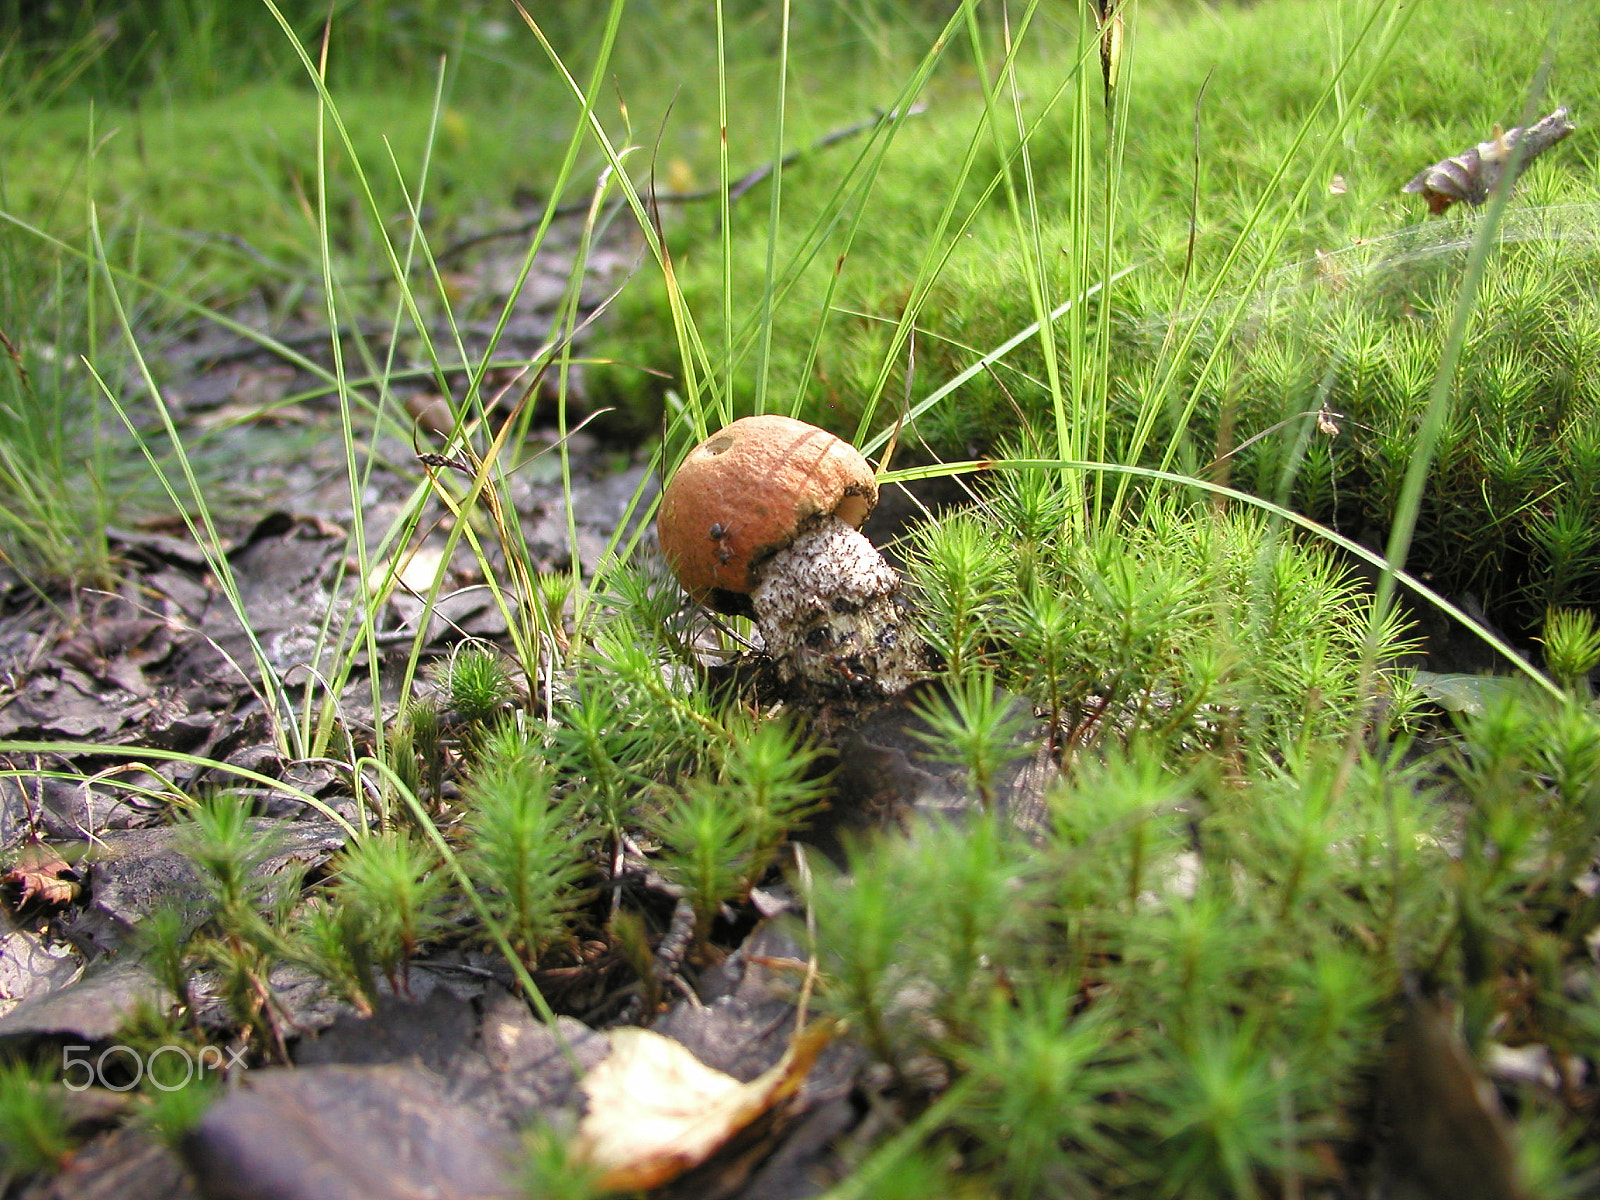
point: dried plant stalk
(1472, 174)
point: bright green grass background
(199, 151)
(220, 174)
(1359, 329)
(1265, 65)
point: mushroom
(762, 520)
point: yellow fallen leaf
(655, 1110)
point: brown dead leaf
(1450, 1137)
(655, 1110)
(408, 579)
(432, 412)
(43, 876)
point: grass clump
(1507, 510)
(1222, 954)
(1571, 646)
(243, 937)
(1199, 625)
(718, 839)
(390, 887)
(58, 488)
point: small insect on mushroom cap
(749, 490)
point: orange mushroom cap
(749, 490)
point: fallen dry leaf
(1450, 1138)
(417, 570)
(655, 1110)
(42, 875)
(432, 412)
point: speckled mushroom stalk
(762, 520)
(831, 613)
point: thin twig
(737, 189)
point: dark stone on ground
(90, 1009)
(377, 1132)
(500, 1063)
(125, 1164)
(134, 872)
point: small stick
(1472, 174)
(736, 189)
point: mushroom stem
(832, 615)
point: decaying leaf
(42, 875)
(655, 1110)
(1471, 694)
(1472, 174)
(416, 571)
(1450, 1138)
(431, 412)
